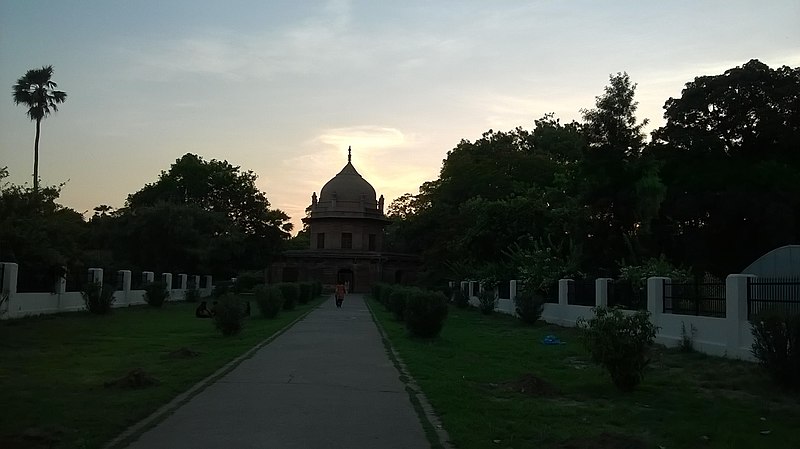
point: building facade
(346, 229)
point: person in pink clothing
(340, 291)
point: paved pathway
(325, 383)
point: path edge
(134, 431)
(418, 399)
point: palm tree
(37, 91)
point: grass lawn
(474, 372)
(53, 368)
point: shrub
(228, 315)
(425, 312)
(98, 298)
(620, 343)
(192, 295)
(460, 299)
(221, 288)
(487, 301)
(155, 293)
(305, 293)
(776, 345)
(375, 291)
(269, 300)
(316, 289)
(247, 281)
(291, 293)
(397, 302)
(529, 306)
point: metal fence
(773, 294)
(622, 293)
(581, 293)
(697, 298)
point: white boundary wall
(18, 305)
(728, 337)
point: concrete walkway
(325, 383)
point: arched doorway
(345, 276)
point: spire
(348, 153)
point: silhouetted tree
(36, 90)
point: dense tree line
(198, 217)
(713, 189)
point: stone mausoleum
(346, 228)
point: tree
(36, 90)
(219, 188)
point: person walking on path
(340, 291)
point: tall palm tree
(36, 90)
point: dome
(348, 188)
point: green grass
(53, 368)
(686, 399)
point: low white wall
(727, 337)
(30, 304)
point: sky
(282, 88)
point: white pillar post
(126, 280)
(563, 291)
(184, 280)
(166, 278)
(195, 284)
(209, 283)
(471, 289)
(60, 282)
(10, 271)
(148, 277)
(655, 296)
(512, 291)
(601, 291)
(735, 309)
(96, 276)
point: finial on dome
(348, 153)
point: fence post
(148, 277)
(601, 291)
(735, 309)
(210, 285)
(126, 280)
(512, 291)
(471, 289)
(8, 288)
(184, 280)
(166, 278)
(464, 287)
(195, 282)
(563, 290)
(655, 297)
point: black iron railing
(773, 294)
(581, 293)
(696, 298)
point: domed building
(346, 238)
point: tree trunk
(36, 159)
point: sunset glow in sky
(284, 87)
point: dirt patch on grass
(182, 353)
(136, 378)
(604, 441)
(531, 385)
(34, 438)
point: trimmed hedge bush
(156, 293)
(487, 301)
(460, 299)
(229, 315)
(397, 302)
(247, 281)
(529, 306)
(291, 294)
(620, 343)
(269, 299)
(425, 312)
(98, 299)
(776, 345)
(305, 293)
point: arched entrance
(345, 276)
